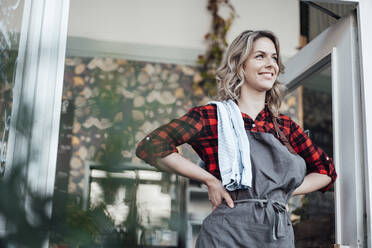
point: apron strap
(281, 135)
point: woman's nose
(270, 62)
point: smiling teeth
(272, 74)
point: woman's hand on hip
(174, 162)
(217, 193)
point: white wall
(282, 17)
(179, 23)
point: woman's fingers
(228, 199)
(215, 199)
(215, 204)
(217, 193)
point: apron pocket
(238, 231)
(245, 222)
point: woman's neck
(251, 103)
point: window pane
(310, 105)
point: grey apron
(259, 217)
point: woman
(251, 176)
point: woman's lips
(267, 75)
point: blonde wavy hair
(230, 75)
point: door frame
(47, 28)
(338, 45)
(37, 93)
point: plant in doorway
(217, 44)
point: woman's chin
(266, 87)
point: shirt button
(147, 138)
(327, 158)
(253, 125)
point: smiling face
(261, 67)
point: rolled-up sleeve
(164, 140)
(317, 161)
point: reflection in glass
(313, 214)
(109, 104)
(115, 91)
(10, 26)
(144, 199)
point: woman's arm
(175, 163)
(312, 182)
(159, 149)
(165, 139)
(320, 166)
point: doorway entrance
(327, 71)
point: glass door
(326, 73)
(10, 30)
(313, 215)
(115, 91)
(32, 44)
(11, 15)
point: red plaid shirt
(198, 127)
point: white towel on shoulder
(233, 147)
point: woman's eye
(259, 56)
(276, 59)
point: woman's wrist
(210, 179)
(296, 192)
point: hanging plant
(217, 44)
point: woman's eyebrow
(260, 51)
